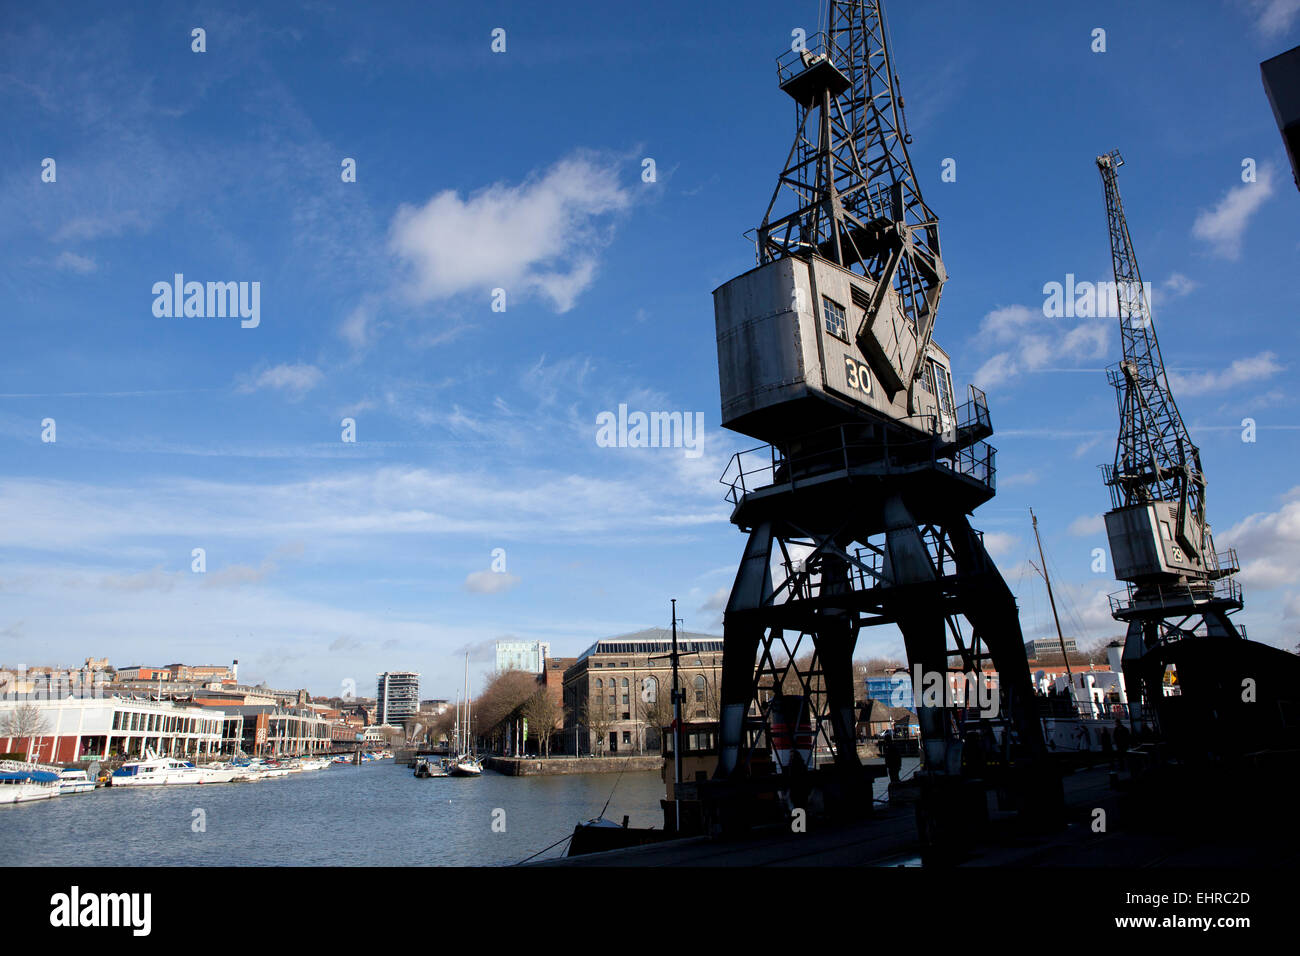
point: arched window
(700, 685)
(600, 684)
(650, 689)
(624, 681)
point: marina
(368, 815)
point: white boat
(75, 781)
(465, 764)
(155, 771)
(23, 782)
(218, 773)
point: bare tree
(543, 715)
(598, 719)
(657, 712)
(501, 701)
(25, 720)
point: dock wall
(529, 767)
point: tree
(25, 720)
(444, 727)
(656, 713)
(501, 702)
(597, 717)
(543, 715)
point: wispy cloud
(1178, 285)
(491, 582)
(1242, 371)
(1274, 17)
(1037, 342)
(1087, 525)
(71, 262)
(296, 380)
(1224, 226)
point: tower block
(857, 508)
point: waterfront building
(1045, 649)
(397, 697)
(617, 693)
(274, 731)
(522, 655)
(81, 728)
(139, 672)
(205, 673)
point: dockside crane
(1177, 585)
(857, 511)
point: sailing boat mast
(1052, 600)
(467, 739)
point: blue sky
(330, 560)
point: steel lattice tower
(857, 511)
(1160, 538)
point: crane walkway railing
(843, 448)
(1175, 597)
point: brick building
(616, 694)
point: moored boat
(155, 771)
(75, 781)
(22, 782)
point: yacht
(22, 783)
(155, 771)
(218, 773)
(467, 766)
(75, 781)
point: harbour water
(377, 814)
(374, 814)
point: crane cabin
(802, 340)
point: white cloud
(1273, 17)
(717, 601)
(71, 262)
(1225, 224)
(1007, 322)
(1085, 525)
(1241, 371)
(1268, 545)
(998, 370)
(999, 543)
(1021, 478)
(537, 238)
(357, 328)
(1178, 285)
(490, 582)
(1086, 446)
(297, 380)
(1039, 342)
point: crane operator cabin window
(835, 323)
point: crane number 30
(858, 374)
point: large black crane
(1178, 585)
(857, 512)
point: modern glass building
(397, 697)
(527, 656)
